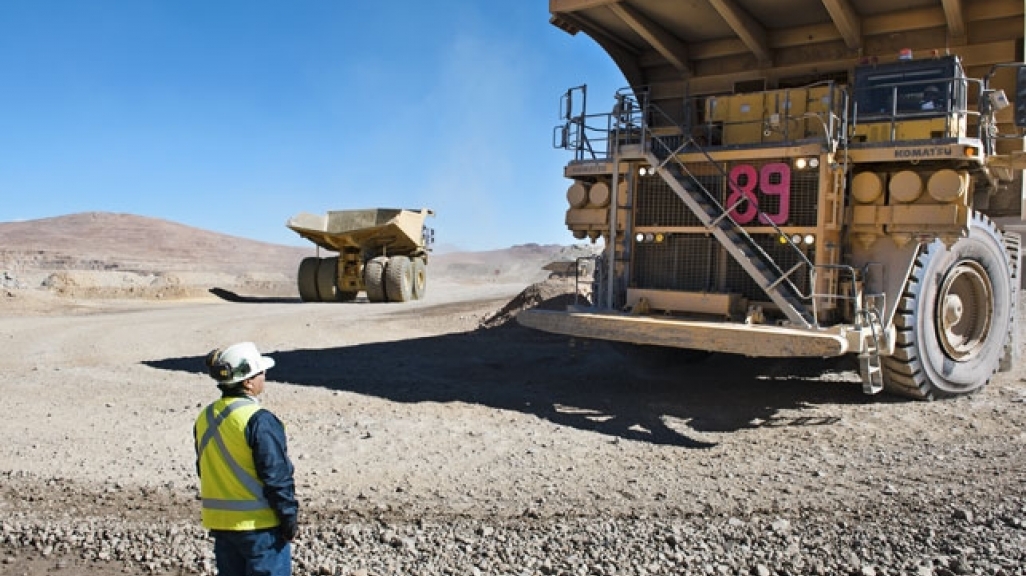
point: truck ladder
(738, 243)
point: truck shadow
(230, 296)
(585, 385)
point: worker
(931, 99)
(246, 476)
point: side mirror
(1020, 96)
(998, 100)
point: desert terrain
(440, 437)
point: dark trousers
(252, 553)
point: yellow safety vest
(233, 496)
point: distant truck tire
(1013, 245)
(327, 280)
(953, 318)
(419, 278)
(374, 279)
(399, 279)
(306, 279)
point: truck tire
(399, 279)
(374, 279)
(327, 280)
(306, 279)
(419, 278)
(1013, 245)
(954, 316)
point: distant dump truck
(573, 269)
(804, 178)
(382, 251)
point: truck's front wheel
(327, 280)
(953, 318)
(399, 279)
(374, 278)
(419, 278)
(306, 279)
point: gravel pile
(551, 294)
(867, 542)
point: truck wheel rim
(964, 310)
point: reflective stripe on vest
(224, 507)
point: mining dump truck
(382, 251)
(804, 178)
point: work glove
(288, 529)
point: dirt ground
(410, 412)
(414, 413)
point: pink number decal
(775, 180)
(746, 212)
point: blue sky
(232, 116)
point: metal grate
(697, 262)
(804, 198)
(681, 262)
(737, 280)
(658, 205)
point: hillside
(106, 241)
(115, 255)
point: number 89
(773, 179)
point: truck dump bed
(400, 230)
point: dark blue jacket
(266, 436)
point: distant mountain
(103, 240)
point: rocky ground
(440, 438)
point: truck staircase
(738, 243)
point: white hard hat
(237, 363)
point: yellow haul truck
(382, 251)
(804, 178)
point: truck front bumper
(747, 339)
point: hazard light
(803, 163)
(650, 237)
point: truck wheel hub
(965, 307)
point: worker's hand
(288, 529)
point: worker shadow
(587, 385)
